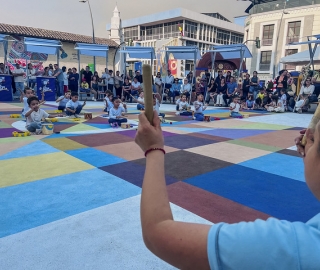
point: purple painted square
(235, 133)
(7, 132)
(185, 141)
(132, 133)
(132, 173)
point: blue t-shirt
(250, 103)
(231, 87)
(64, 101)
(71, 104)
(271, 244)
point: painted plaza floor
(71, 200)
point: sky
(74, 17)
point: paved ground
(71, 200)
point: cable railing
(280, 5)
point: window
(265, 60)
(289, 52)
(172, 29)
(293, 31)
(267, 35)
(191, 29)
(131, 33)
(223, 37)
(236, 38)
(152, 32)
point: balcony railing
(293, 39)
(264, 67)
(267, 42)
(279, 5)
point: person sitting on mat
(27, 93)
(108, 101)
(35, 115)
(156, 106)
(140, 101)
(235, 107)
(199, 108)
(117, 113)
(63, 100)
(73, 107)
(184, 107)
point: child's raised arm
(21, 96)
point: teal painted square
(32, 149)
(278, 164)
(95, 157)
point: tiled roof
(50, 34)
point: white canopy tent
(137, 52)
(311, 56)
(91, 50)
(45, 46)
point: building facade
(278, 23)
(177, 27)
(15, 50)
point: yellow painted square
(21, 170)
(64, 144)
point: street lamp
(277, 41)
(93, 38)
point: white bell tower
(115, 30)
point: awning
(234, 51)
(301, 58)
(4, 41)
(139, 52)
(92, 49)
(42, 45)
(3, 37)
(184, 52)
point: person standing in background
(59, 80)
(18, 74)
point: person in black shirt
(139, 76)
(87, 74)
(246, 86)
(211, 91)
(219, 78)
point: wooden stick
(148, 93)
(314, 121)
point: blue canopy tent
(45, 46)
(183, 53)
(233, 51)
(4, 41)
(312, 49)
(91, 50)
(138, 52)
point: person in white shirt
(199, 108)
(280, 106)
(117, 113)
(168, 80)
(135, 87)
(186, 88)
(184, 107)
(31, 76)
(18, 74)
(158, 83)
(65, 79)
(140, 101)
(235, 108)
(306, 91)
(156, 106)
(110, 80)
(27, 93)
(4, 69)
(73, 106)
(35, 115)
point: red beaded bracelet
(154, 149)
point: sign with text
(48, 86)
(5, 88)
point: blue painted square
(235, 133)
(95, 157)
(29, 205)
(101, 126)
(279, 164)
(32, 149)
(277, 196)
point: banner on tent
(5, 88)
(48, 86)
(138, 66)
